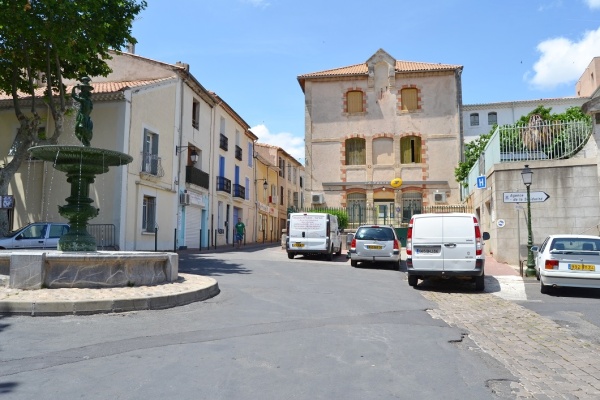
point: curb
(188, 289)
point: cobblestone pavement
(550, 361)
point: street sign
(521, 197)
(481, 183)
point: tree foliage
(43, 43)
(511, 138)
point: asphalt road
(279, 329)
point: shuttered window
(355, 101)
(410, 149)
(355, 152)
(409, 99)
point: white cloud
(592, 3)
(563, 61)
(293, 145)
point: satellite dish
(396, 182)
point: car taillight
(551, 264)
(478, 240)
(353, 244)
(409, 238)
(396, 245)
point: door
(32, 237)
(459, 247)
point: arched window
(409, 99)
(355, 152)
(354, 99)
(356, 208)
(410, 149)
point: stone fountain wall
(54, 269)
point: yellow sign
(396, 183)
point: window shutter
(355, 101)
(409, 99)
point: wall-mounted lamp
(265, 184)
(193, 154)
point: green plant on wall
(341, 215)
(473, 150)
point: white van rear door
(427, 242)
(459, 243)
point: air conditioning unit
(439, 197)
(318, 199)
(184, 199)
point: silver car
(37, 235)
(375, 244)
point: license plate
(427, 250)
(297, 244)
(582, 267)
(374, 247)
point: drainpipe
(123, 171)
(179, 109)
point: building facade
(369, 123)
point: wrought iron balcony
(239, 191)
(196, 176)
(238, 152)
(151, 165)
(223, 184)
(223, 142)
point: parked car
(313, 233)
(568, 260)
(445, 245)
(37, 235)
(375, 244)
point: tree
(473, 150)
(43, 43)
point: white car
(37, 235)
(568, 260)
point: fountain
(76, 262)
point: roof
(509, 104)
(363, 70)
(99, 88)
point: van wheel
(413, 280)
(480, 283)
(290, 255)
(330, 254)
(396, 265)
(354, 263)
(339, 252)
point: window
(222, 126)
(411, 205)
(356, 153)
(354, 100)
(289, 175)
(149, 214)
(492, 118)
(409, 99)
(196, 114)
(474, 119)
(281, 195)
(250, 154)
(410, 149)
(281, 167)
(150, 155)
(57, 230)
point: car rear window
(575, 244)
(375, 234)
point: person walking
(240, 231)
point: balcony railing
(239, 191)
(223, 184)
(238, 152)
(196, 176)
(151, 165)
(223, 142)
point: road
(279, 329)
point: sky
(250, 52)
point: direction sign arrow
(521, 197)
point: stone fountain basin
(53, 269)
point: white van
(313, 233)
(445, 245)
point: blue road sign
(481, 183)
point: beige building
(182, 186)
(369, 123)
(267, 211)
(287, 195)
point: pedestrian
(240, 231)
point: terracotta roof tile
(401, 66)
(100, 87)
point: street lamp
(193, 153)
(265, 184)
(527, 175)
